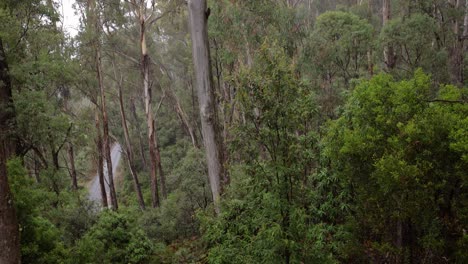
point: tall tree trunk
(129, 151)
(105, 135)
(105, 123)
(9, 231)
(145, 63)
(206, 97)
(389, 53)
(71, 157)
(100, 160)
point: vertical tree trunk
(9, 231)
(206, 97)
(162, 176)
(145, 63)
(100, 160)
(456, 51)
(465, 23)
(370, 63)
(105, 135)
(105, 123)
(71, 157)
(389, 54)
(457, 56)
(137, 124)
(129, 151)
(155, 155)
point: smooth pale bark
(129, 152)
(100, 159)
(9, 231)
(71, 157)
(389, 54)
(149, 113)
(206, 97)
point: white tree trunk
(206, 97)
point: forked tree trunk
(149, 112)
(9, 231)
(155, 156)
(206, 97)
(129, 152)
(100, 159)
(389, 53)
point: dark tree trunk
(9, 232)
(129, 152)
(389, 53)
(456, 51)
(100, 160)
(71, 157)
(105, 123)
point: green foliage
(340, 42)
(267, 216)
(40, 238)
(413, 43)
(113, 239)
(395, 150)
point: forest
(234, 131)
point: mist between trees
(267, 131)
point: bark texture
(456, 51)
(389, 53)
(206, 97)
(100, 160)
(105, 124)
(71, 157)
(129, 152)
(149, 112)
(9, 232)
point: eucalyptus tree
(147, 13)
(95, 26)
(206, 96)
